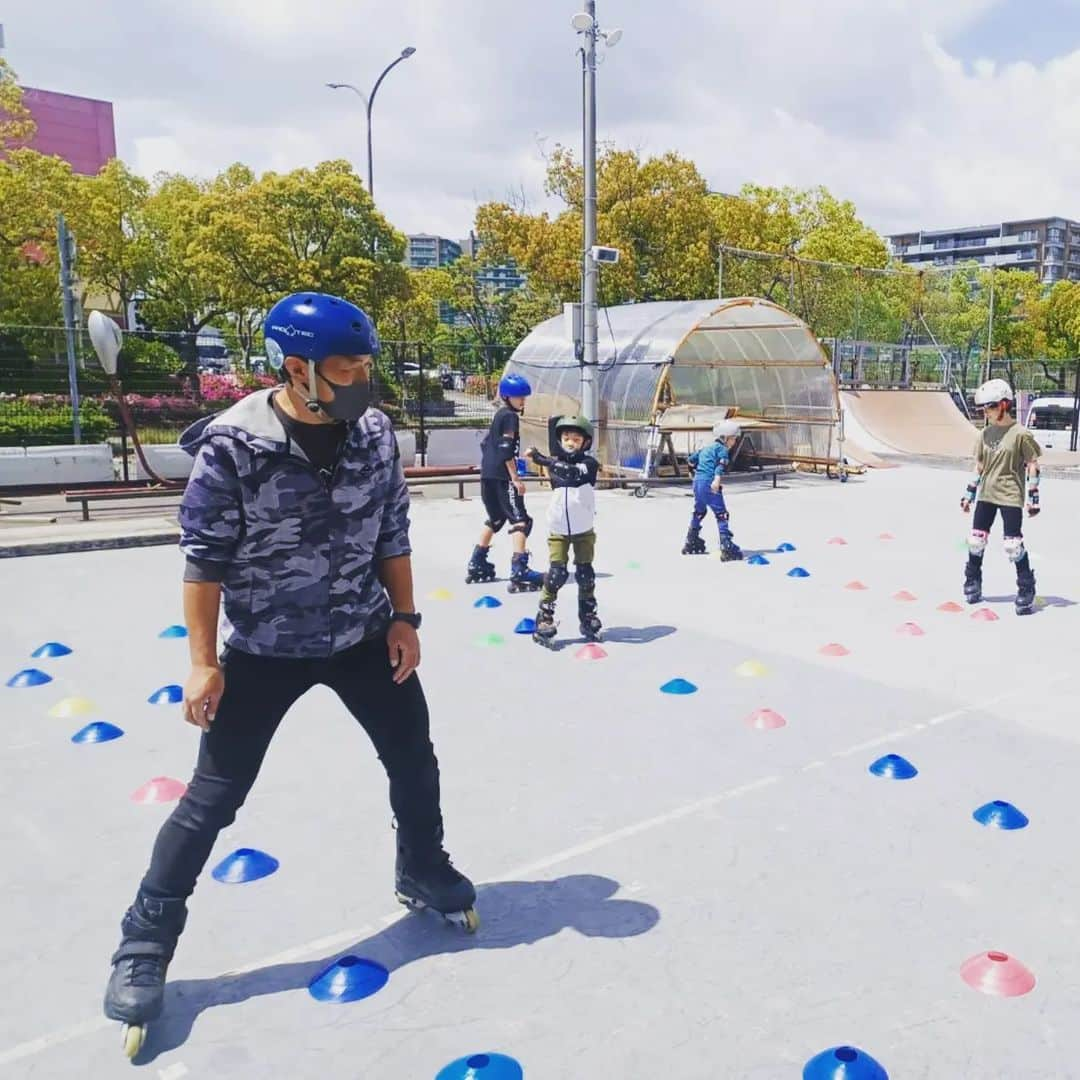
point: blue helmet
(514, 386)
(314, 326)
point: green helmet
(574, 423)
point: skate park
(703, 883)
(779, 781)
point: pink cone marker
(833, 649)
(590, 652)
(997, 973)
(765, 720)
(159, 790)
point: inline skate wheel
(134, 1036)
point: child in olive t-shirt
(1005, 454)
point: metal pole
(589, 390)
(720, 275)
(370, 158)
(1076, 410)
(66, 244)
(989, 330)
(405, 54)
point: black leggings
(1012, 518)
(259, 690)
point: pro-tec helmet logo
(291, 331)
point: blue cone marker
(98, 731)
(244, 865)
(785, 546)
(843, 1063)
(1000, 815)
(348, 978)
(30, 676)
(50, 650)
(173, 631)
(678, 686)
(167, 695)
(488, 602)
(894, 767)
(798, 571)
(489, 1066)
(757, 560)
(526, 626)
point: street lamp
(369, 101)
(585, 24)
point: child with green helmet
(571, 514)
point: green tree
(33, 189)
(17, 126)
(260, 238)
(1061, 325)
(107, 216)
(180, 293)
(657, 211)
(413, 314)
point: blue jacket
(298, 552)
(710, 462)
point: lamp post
(585, 24)
(369, 101)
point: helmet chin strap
(312, 388)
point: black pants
(1012, 518)
(502, 503)
(258, 692)
(1012, 522)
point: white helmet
(724, 429)
(990, 393)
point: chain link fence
(170, 380)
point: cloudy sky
(924, 112)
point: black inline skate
(479, 568)
(522, 579)
(136, 987)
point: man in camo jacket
(296, 518)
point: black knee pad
(699, 516)
(722, 515)
(585, 575)
(557, 576)
(496, 526)
(525, 526)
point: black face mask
(350, 402)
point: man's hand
(519, 485)
(715, 486)
(965, 505)
(529, 453)
(404, 645)
(202, 693)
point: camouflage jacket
(300, 551)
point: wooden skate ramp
(918, 422)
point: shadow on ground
(513, 913)
(620, 635)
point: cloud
(867, 99)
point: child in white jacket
(571, 514)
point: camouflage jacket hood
(299, 550)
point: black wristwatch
(413, 618)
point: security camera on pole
(592, 255)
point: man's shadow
(622, 635)
(512, 913)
